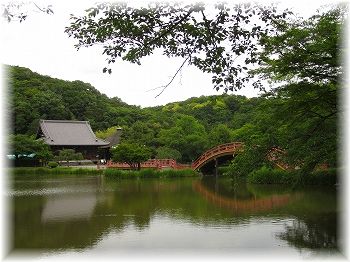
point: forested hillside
(35, 96)
(182, 128)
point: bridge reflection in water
(239, 206)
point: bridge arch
(216, 152)
(230, 149)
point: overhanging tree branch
(179, 30)
(172, 79)
(17, 11)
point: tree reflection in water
(316, 230)
(86, 211)
(316, 233)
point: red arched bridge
(209, 160)
(229, 149)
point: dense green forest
(181, 128)
(35, 96)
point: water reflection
(250, 202)
(85, 212)
(72, 207)
(313, 234)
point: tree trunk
(132, 166)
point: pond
(67, 215)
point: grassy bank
(55, 171)
(264, 175)
(267, 175)
(149, 173)
(109, 172)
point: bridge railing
(274, 155)
(217, 150)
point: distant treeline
(182, 129)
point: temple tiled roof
(66, 132)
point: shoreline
(108, 172)
(262, 177)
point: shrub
(148, 173)
(224, 170)
(321, 177)
(52, 164)
(177, 173)
(56, 171)
(266, 175)
(112, 172)
(108, 172)
(86, 171)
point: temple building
(77, 135)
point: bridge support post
(216, 167)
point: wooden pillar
(216, 167)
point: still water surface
(65, 215)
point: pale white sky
(40, 44)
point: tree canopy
(168, 153)
(34, 96)
(301, 113)
(23, 145)
(305, 51)
(103, 134)
(219, 39)
(18, 11)
(68, 155)
(133, 154)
